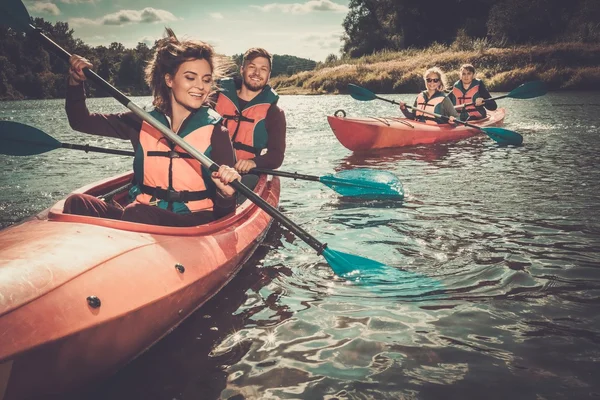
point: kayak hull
(369, 133)
(87, 295)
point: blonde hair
(440, 74)
(170, 53)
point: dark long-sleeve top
(276, 126)
(127, 125)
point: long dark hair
(170, 53)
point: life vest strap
(170, 195)
(245, 147)
(237, 118)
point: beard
(254, 86)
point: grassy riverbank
(563, 66)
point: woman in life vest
(469, 90)
(432, 100)
(170, 187)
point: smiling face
(191, 84)
(255, 73)
(466, 77)
(432, 81)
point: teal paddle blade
(14, 14)
(23, 140)
(360, 93)
(529, 90)
(349, 265)
(379, 277)
(365, 183)
(504, 136)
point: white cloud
(79, 22)
(304, 8)
(331, 40)
(216, 15)
(46, 8)
(145, 16)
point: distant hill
(284, 64)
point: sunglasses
(435, 80)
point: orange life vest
(463, 96)
(429, 104)
(166, 175)
(246, 127)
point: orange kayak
(362, 134)
(81, 296)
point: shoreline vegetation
(562, 66)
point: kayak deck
(82, 296)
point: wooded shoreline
(562, 66)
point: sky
(307, 28)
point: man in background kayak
(469, 94)
(256, 125)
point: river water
(510, 234)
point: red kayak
(81, 296)
(362, 134)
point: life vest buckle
(153, 201)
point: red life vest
(247, 126)
(463, 96)
(168, 176)
(430, 105)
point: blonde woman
(433, 100)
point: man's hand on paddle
(243, 166)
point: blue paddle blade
(379, 277)
(504, 136)
(23, 140)
(349, 265)
(365, 183)
(360, 93)
(14, 14)
(529, 90)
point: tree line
(374, 25)
(29, 71)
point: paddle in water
(527, 90)
(500, 135)
(24, 140)
(360, 182)
(16, 16)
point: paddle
(23, 140)
(528, 90)
(343, 264)
(360, 182)
(500, 135)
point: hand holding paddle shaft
(500, 135)
(16, 16)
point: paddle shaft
(458, 107)
(456, 120)
(87, 148)
(294, 175)
(207, 162)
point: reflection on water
(496, 251)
